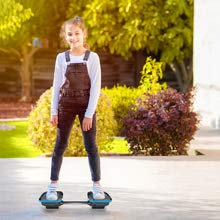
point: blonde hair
(78, 21)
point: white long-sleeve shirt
(94, 71)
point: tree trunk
(184, 74)
(177, 72)
(140, 60)
(26, 72)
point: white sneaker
(51, 192)
(97, 191)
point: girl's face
(74, 36)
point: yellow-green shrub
(151, 73)
(43, 134)
(122, 97)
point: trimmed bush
(122, 97)
(161, 124)
(42, 133)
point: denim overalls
(74, 101)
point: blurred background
(123, 33)
(143, 45)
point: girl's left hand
(87, 124)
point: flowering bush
(161, 124)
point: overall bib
(74, 101)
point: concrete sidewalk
(154, 188)
(207, 142)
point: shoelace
(52, 188)
(97, 188)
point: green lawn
(119, 146)
(15, 143)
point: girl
(76, 89)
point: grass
(119, 145)
(16, 144)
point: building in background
(207, 61)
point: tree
(45, 22)
(160, 27)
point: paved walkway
(158, 188)
(153, 188)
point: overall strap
(67, 56)
(86, 57)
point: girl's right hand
(54, 120)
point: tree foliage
(12, 16)
(160, 27)
(131, 25)
(46, 19)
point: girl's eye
(69, 34)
